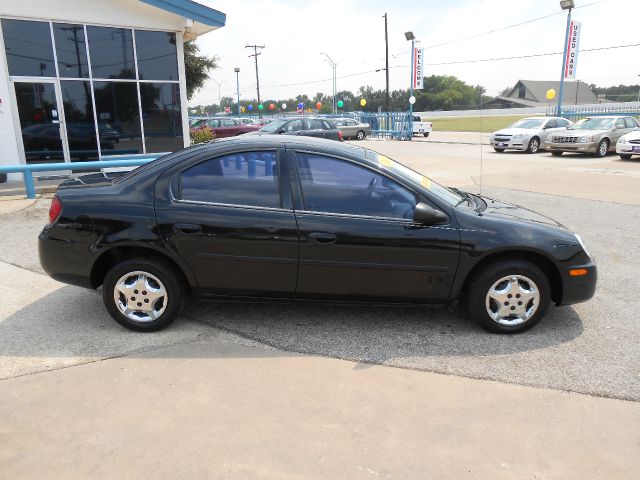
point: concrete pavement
(213, 409)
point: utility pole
(255, 55)
(333, 67)
(386, 46)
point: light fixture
(566, 4)
(411, 36)
(236, 69)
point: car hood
(509, 211)
(579, 133)
(516, 131)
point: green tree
(196, 67)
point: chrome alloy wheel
(534, 145)
(140, 296)
(512, 300)
(602, 148)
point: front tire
(499, 150)
(142, 294)
(556, 154)
(426, 134)
(534, 145)
(509, 296)
(603, 148)
(624, 156)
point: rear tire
(499, 150)
(360, 135)
(557, 154)
(426, 134)
(509, 296)
(624, 156)
(603, 148)
(143, 294)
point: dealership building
(83, 80)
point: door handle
(323, 237)
(188, 228)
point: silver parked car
(351, 128)
(527, 133)
(597, 135)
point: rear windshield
(152, 164)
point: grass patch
(490, 123)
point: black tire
(426, 134)
(360, 135)
(624, 156)
(499, 150)
(557, 154)
(534, 145)
(603, 148)
(170, 280)
(482, 282)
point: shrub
(202, 135)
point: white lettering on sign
(571, 60)
(418, 68)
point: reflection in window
(157, 55)
(248, 178)
(162, 116)
(338, 186)
(71, 50)
(39, 121)
(28, 48)
(78, 113)
(118, 116)
(111, 51)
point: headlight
(584, 247)
(518, 136)
(585, 139)
(622, 140)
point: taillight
(340, 135)
(55, 209)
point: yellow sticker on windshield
(425, 182)
(385, 161)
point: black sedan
(303, 126)
(300, 218)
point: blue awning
(193, 10)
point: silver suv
(597, 135)
(527, 133)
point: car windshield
(529, 123)
(593, 124)
(443, 193)
(273, 126)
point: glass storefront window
(28, 48)
(71, 50)
(117, 111)
(111, 51)
(81, 130)
(157, 55)
(162, 117)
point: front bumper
(576, 289)
(627, 149)
(519, 144)
(590, 147)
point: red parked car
(224, 127)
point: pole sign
(571, 60)
(418, 68)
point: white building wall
(9, 149)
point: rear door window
(630, 122)
(246, 178)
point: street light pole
(565, 5)
(386, 48)
(237, 70)
(333, 66)
(411, 36)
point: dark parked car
(224, 126)
(303, 218)
(305, 126)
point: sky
(351, 32)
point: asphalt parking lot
(589, 348)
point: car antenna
(481, 134)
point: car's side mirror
(424, 214)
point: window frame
(297, 188)
(175, 184)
